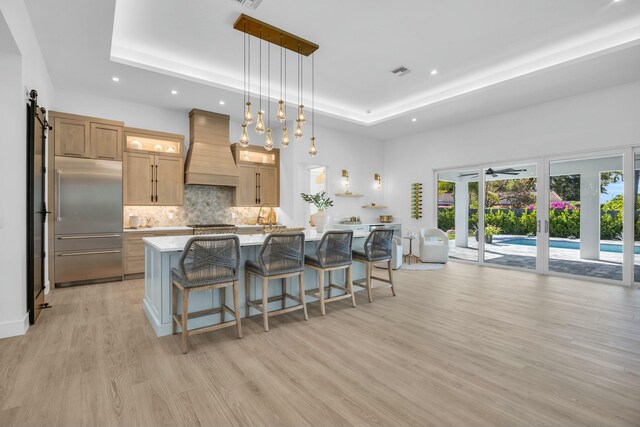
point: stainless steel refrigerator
(88, 226)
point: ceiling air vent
(253, 4)
(401, 71)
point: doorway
(37, 128)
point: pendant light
(268, 143)
(312, 147)
(244, 137)
(281, 113)
(298, 133)
(248, 116)
(285, 130)
(260, 122)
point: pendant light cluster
(271, 35)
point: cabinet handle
(98, 236)
(115, 251)
(156, 183)
(73, 154)
(151, 183)
(106, 157)
(256, 188)
(58, 194)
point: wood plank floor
(461, 346)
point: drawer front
(133, 247)
(134, 265)
(74, 266)
(79, 242)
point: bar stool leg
(369, 267)
(174, 307)
(393, 291)
(303, 298)
(283, 286)
(350, 286)
(330, 282)
(321, 288)
(265, 303)
(236, 307)
(223, 299)
(247, 293)
(185, 312)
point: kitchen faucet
(269, 215)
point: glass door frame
(542, 218)
(628, 166)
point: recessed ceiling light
(174, 92)
(221, 102)
(434, 72)
(115, 79)
(414, 120)
(617, 1)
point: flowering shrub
(556, 206)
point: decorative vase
(321, 220)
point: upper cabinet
(259, 176)
(87, 137)
(153, 170)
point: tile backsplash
(202, 205)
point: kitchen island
(163, 253)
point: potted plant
(322, 202)
(489, 232)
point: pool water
(563, 244)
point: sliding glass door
(586, 230)
(510, 215)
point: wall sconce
(345, 181)
(377, 181)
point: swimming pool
(561, 244)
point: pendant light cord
(249, 68)
(260, 69)
(269, 83)
(313, 95)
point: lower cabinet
(133, 248)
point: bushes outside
(563, 222)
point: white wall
(21, 69)
(596, 120)
(336, 150)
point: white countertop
(177, 243)
(336, 224)
(152, 229)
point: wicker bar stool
(207, 262)
(377, 248)
(281, 256)
(333, 253)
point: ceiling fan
(495, 172)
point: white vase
(321, 219)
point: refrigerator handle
(57, 196)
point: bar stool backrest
(282, 253)
(334, 248)
(208, 260)
(378, 244)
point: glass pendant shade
(301, 118)
(244, 139)
(260, 124)
(312, 148)
(248, 116)
(285, 136)
(281, 114)
(298, 132)
(268, 143)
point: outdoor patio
(560, 260)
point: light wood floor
(464, 346)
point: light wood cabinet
(133, 248)
(169, 180)
(87, 137)
(71, 137)
(106, 141)
(138, 182)
(259, 176)
(151, 178)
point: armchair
(434, 245)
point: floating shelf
(374, 207)
(349, 195)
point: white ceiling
(492, 55)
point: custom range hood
(209, 160)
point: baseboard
(14, 327)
